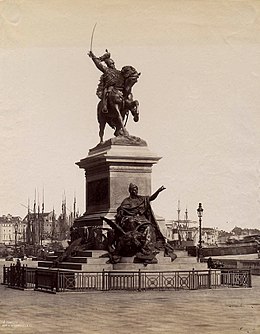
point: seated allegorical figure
(135, 231)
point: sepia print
(129, 198)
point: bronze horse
(119, 103)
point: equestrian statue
(115, 93)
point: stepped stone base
(91, 261)
(77, 266)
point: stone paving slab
(225, 311)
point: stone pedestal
(109, 169)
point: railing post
(108, 281)
(249, 279)
(232, 277)
(23, 277)
(4, 275)
(11, 280)
(9, 275)
(209, 279)
(139, 280)
(57, 281)
(36, 280)
(103, 280)
(18, 273)
(192, 281)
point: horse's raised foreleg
(135, 110)
(133, 106)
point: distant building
(12, 230)
(43, 226)
(186, 233)
(39, 226)
(209, 236)
(182, 232)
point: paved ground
(222, 311)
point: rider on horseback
(116, 98)
(110, 80)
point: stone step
(91, 253)
(84, 257)
(97, 267)
(160, 267)
(77, 259)
(58, 253)
(182, 257)
(181, 253)
(94, 266)
(160, 255)
(100, 264)
(60, 269)
(87, 260)
(187, 266)
(45, 264)
(189, 260)
(96, 261)
(84, 253)
(62, 265)
(162, 260)
(101, 260)
(141, 266)
(51, 257)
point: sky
(198, 93)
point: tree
(237, 230)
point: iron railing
(60, 281)
(20, 277)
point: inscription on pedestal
(97, 192)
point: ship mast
(42, 219)
(178, 224)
